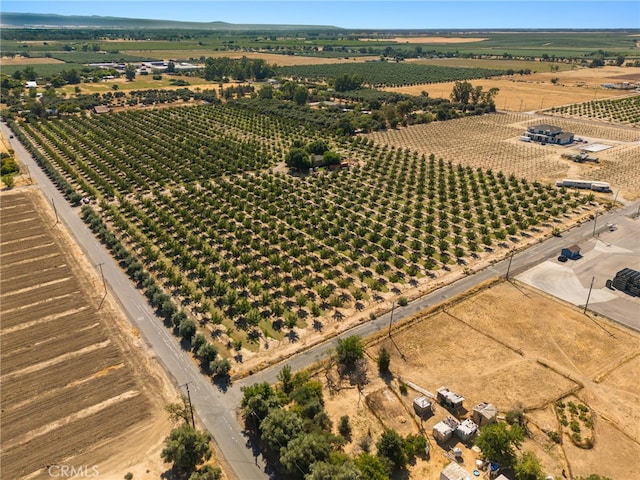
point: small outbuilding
(443, 430)
(422, 406)
(448, 399)
(454, 471)
(101, 109)
(572, 252)
(466, 430)
(484, 414)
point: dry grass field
(536, 91)
(29, 61)
(495, 346)
(78, 386)
(491, 141)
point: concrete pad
(562, 282)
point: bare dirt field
(495, 346)
(492, 141)
(78, 387)
(522, 93)
(270, 58)
(29, 61)
(435, 40)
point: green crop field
(388, 74)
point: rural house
(422, 406)
(443, 430)
(484, 414)
(448, 399)
(466, 430)
(544, 133)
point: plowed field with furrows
(67, 386)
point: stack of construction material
(627, 280)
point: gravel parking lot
(602, 257)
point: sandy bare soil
(495, 346)
(79, 386)
(522, 93)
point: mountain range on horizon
(51, 20)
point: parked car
(562, 258)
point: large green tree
(391, 447)
(186, 448)
(528, 467)
(498, 443)
(349, 350)
(371, 467)
(298, 158)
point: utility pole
(595, 222)
(193, 422)
(104, 283)
(589, 295)
(55, 211)
(509, 267)
(29, 174)
(393, 305)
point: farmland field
(537, 91)
(476, 347)
(275, 260)
(491, 141)
(78, 387)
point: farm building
(443, 430)
(572, 252)
(101, 109)
(587, 184)
(484, 414)
(422, 406)
(466, 430)
(31, 84)
(447, 398)
(628, 281)
(453, 471)
(544, 133)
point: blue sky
(411, 14)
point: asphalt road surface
(216, 408)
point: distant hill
(45, 20)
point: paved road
(216, 409)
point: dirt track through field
(72, 385)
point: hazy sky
(415, 14)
